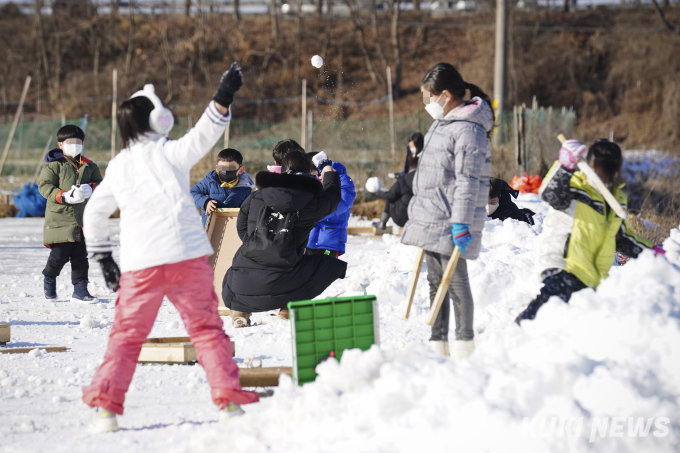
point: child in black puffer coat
(501, 206)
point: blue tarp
(29, 201)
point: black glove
(230, 83)
(109, 269)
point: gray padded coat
(452, 180)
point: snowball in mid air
(317, 61)
(373, 184)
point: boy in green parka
(582, 232)
(67, 181)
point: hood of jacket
(476, 110)
(54, 155)
(286, 193)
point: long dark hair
(133, 119)
(444, 76)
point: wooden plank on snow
(262, 377)
(5, 333)
(356, 230)
(29, 349)
(171, 350)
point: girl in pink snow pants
(163, 248)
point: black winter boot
(81, 294)
(50, 287)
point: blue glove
(460, 233)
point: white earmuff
(160, 119)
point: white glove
(373, 185)
(73, 196)
(85, 189)
(317, 159)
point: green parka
(64, 222)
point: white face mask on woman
(435, 110)
(491, 208)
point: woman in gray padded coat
(450, 192)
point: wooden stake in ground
(114, 107)
(303, 132)
(592, 176)
(17, 115)
(390, 104)
(413, 281)
(444, 285)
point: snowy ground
(610, 353)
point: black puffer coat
(507, 209)
(398, 198)
(252, 287)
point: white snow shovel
(606, 194)
(443, 286)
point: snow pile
(582, 376)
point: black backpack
(272, 244)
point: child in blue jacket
(227, 186)
(329, 236)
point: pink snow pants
(189, 286)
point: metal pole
(114, 107)
(17, 115)
(390, 104)
(303, 132)
(310, 130)
(226, 132)
(500, 55)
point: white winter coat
(149, 183)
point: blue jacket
(331, 232)
(209, 188)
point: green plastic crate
(321, 326)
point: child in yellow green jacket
(582, 233)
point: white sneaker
(103, 422)
(462, 348)
(440, 347)
(232, 410)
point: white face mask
(435, 110)
(413, 150)
(73, 149)
(490, 209)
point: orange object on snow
(526, 183)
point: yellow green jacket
(582, 233)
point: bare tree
(273, 14)
(376, 35)
(396, 86)
(668, 25)
(237, 10)
(130, 49)
(359, 26)
(416, 6)
(168, 63)
(298, 41)
(187, 8)
(203, 47)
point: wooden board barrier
(221, 230)
(4, 333)
(356, 230)
(262, 377)
(171, 350)
(29, 349)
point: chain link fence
(363, 146)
